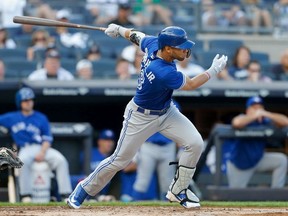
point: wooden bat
(11, 186)
(52, 23)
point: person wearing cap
(248, 156)
(152, 110)
(94, 53)
(51, 69)
(123, 16)
(31, 134)
(84, 70)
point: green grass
(157, 203)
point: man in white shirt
(51, 69)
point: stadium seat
(104, 68)
(24, 41)
(19, 68)
(19, 53)
(262, 57)
(227, 47)
(205, 58)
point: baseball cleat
(187, 200)
(77, 197)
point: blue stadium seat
(104, 69)
(262, 57)
(224, 46)
(24, 41)
(19, 53)
(19, 68)
(205, 58)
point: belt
(153, 112)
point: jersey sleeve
(46, 130)
(174, 80)
(147, 42)
(5, 120)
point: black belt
(153, 112)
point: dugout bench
(70, 139)
(219, 190)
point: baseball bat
(11, 187)
(53, 23)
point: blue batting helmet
(24, 93)
(174, 36)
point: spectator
(151, 12)
(281, 15)
(31, 133)
(2, 70)
(84, 70)
(257, 14)
(52, 69)
(237, 70)
(39, 8)
(94, 53)
(254, 73)
(103, 11)
(217, 16)
(281, 70)
(67, 39)
(248, 156)
(123, 16)
(9, 9)
(129, 64)
(189, 68)
(40, 42)
(5, 41)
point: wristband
(207, 74)
(122, 31)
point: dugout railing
(259, 186)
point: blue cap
(107, 134)
(253, 100)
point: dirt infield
(138, 211)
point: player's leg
(27, 155)
(179, 128)
(238, 178)
(59, 163)
(145, 169)
(136, 128)
(275, 162)
(165, 172)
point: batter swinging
(152, 110)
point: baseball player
(31, 133)
(151, 110)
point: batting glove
(218, 65)
(114, 30)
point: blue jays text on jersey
(158, 78)
(31, 129)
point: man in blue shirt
(248, 156)
(152, 110)
(31, 133)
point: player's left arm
(279, 119)
(114, 30)
(46, 139)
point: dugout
(70, 139)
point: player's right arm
(114, 30)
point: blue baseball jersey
(31, 129)
(157, 79)
(246, 153)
